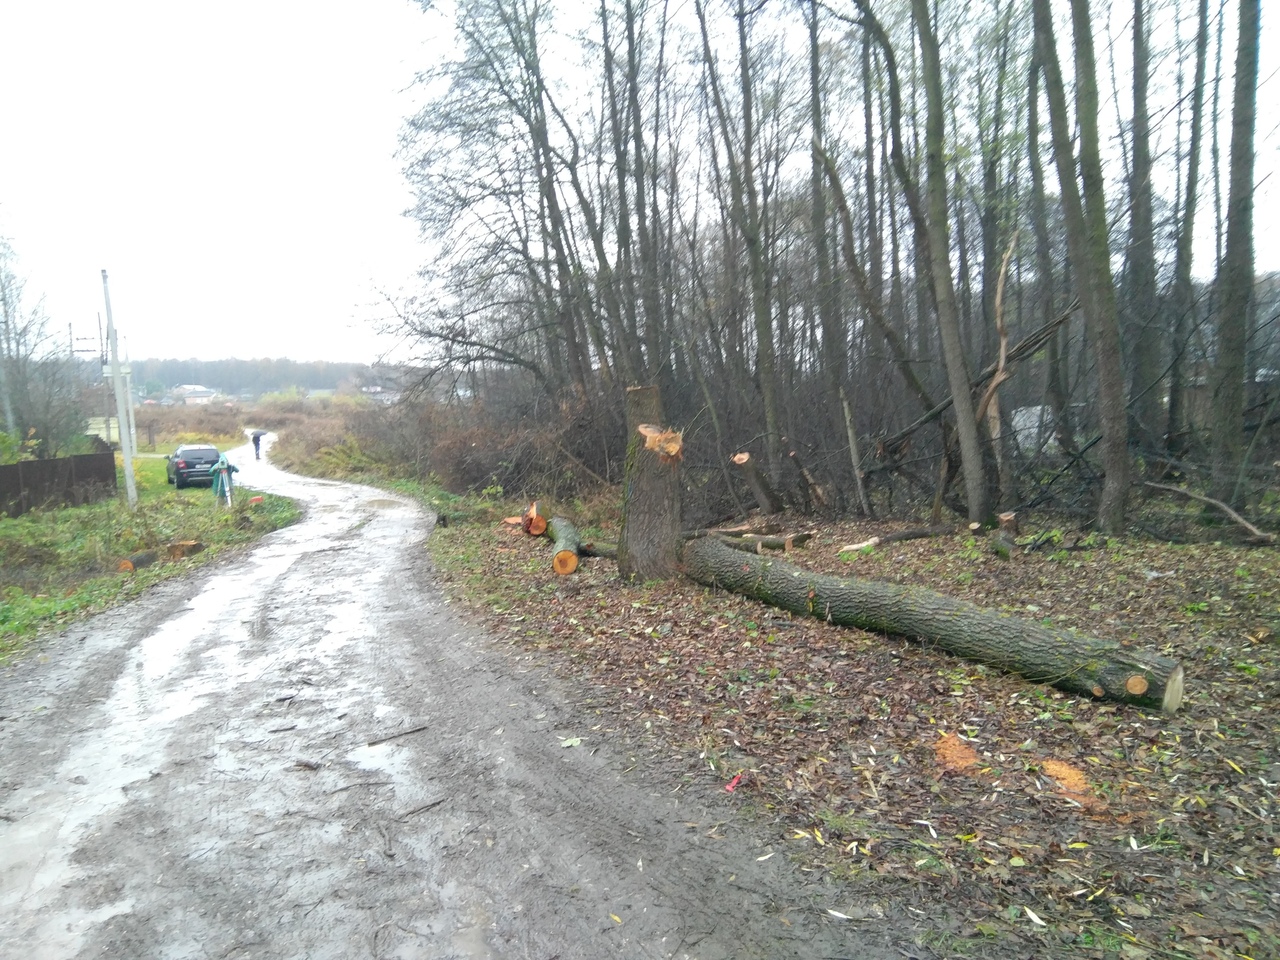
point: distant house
(193, 394)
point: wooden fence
(76, 480)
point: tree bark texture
(1235, 276)
(971, 454)
(1084, 207)
(766, 497)
(649, 543)
(1077, 664)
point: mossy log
(567, 544)
(1043, 654)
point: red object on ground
(255, 499)
(737, 779)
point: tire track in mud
(226, 769)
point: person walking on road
(257, 444)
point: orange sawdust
(1072, 784)
(954, 754)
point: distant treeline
(248, 376)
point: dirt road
(302, 753)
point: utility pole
(122, 401)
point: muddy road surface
(301, 752)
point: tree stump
(649, 542)
(533, 522)
(766, 497)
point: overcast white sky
(231, 166)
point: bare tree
(1235, 275)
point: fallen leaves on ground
(911, 775)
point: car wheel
(168, 478)
(180, 482)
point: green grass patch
(62, 563)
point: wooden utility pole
(122, 401)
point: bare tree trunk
(834, 348)
(1235, 276)
(748, 218)
(1183, 291)
(1086, 221)
(1055, 386)
(971, 458)
(1145, 365)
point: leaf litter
(1080, 825)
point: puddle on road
(121, 749)
(384, 758)
(383, 504)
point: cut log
(534, 523)
(137, 561)
(766, 497)
(608, 551)
(1043, 654)
(1008, 523)
(749, 543)
(180, 549)
(649, 541)
(741, 530)
(564, 560)
(919, 533)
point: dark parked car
(192, 463)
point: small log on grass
(534, 523)
(567, 543)
(755, 527)
(761, 488)
(919, 533)
(1043, 654)
(749, 543)
(181, 549)
(137, 561)
(607, 551)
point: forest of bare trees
(1003, 251)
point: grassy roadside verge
(61, 564)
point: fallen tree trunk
(567, 544)
(1071, 662)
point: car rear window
(209, 452)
